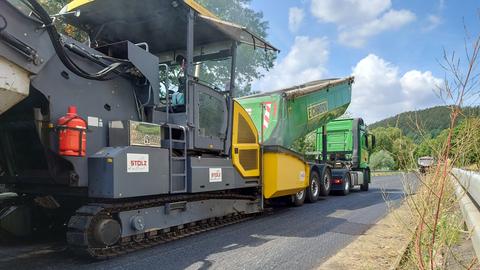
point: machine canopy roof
(161, 24)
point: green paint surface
(294, 117)
(340, 140)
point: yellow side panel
(245, 147)
(77, 3)
(283, 175)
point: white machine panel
(14, 84)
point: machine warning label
(215, 174)
(315, 110)
(137, 163)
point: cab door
(245, 146)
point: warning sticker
(137, 163)
(215, 175)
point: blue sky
(392, 47)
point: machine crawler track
(80, 232)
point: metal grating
(245, 133)
(249, 159)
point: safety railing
(468, 192)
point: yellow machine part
(245, 147)
(77, 3)
(191, 3)
(283, 174)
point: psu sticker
(301, 176)
(137, 163)
(215, 174)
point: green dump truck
(348, 146)
(285, 115)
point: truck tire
(347, 186)
(299, 198)
(313, 189)
(325, 183)
(364, 186)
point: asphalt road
(287, 238)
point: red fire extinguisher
(72, 134)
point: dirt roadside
(380, 247)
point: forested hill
(431, 121)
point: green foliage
(53, 6)
(465, 145)
(393, 141)
(404, 150)
(305, 144)
(382, 160)
(385, 138)
(406, 140)
(428, 123)
(250, 62)
(466, 142)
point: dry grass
(439, 223)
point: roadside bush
(382, 160)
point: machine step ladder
(178, 164)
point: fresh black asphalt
(285, 238)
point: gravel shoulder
(380, 246)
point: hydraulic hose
(59, 49)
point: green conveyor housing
(285, 115)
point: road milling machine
(99, 139)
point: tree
(385, 138)
(53, 6)
(466, 142)
(404, 150)
(250, 62)
(427, 123)
(393, 141)
(382, 160)
(305, 144)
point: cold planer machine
(120, 140)
(90, 134)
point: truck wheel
(299, 198)
(313, 189)
(364, 186)
(325, 183)
(347, 186)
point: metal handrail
(468, 192)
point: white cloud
(295, 18)
(304, 62)
(432, 22)
(380, 90)
(344, 12)
(357, 20)
(356, 36)
(415, 83)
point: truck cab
(348, 147)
